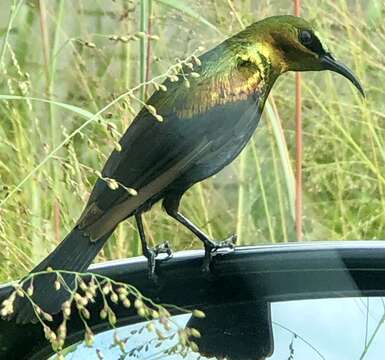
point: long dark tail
(74, 253)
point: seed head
(57, 285)
(112, 184)
(199, 314)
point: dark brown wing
(153, 155)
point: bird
(182, 136)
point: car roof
(245, 275)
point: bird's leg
(151, 253)
(171, 205)
(211, 246)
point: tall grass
(80, 55)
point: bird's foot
(163, 248)
(211, 248)
(152, 253)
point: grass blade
(283, 154)
(184, 8)
(84, 113)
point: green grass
(50, 150)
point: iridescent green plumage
(238, 67)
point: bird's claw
(211, 248)
(228, 243)
(163, 248)
(151, 255)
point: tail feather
(74, 253)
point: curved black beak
(330, 63)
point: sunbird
(182, 136)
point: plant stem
(142, 46)
(149, 33)
(263, 192)
(14, 10)
(298, 141)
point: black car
(282, 302)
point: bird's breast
(228, 127)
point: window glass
(142, 344)
(332, 329)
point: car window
(142, 343)
(332, 329)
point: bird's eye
(306, 37)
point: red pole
(298, 138)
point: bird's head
(291, 44)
